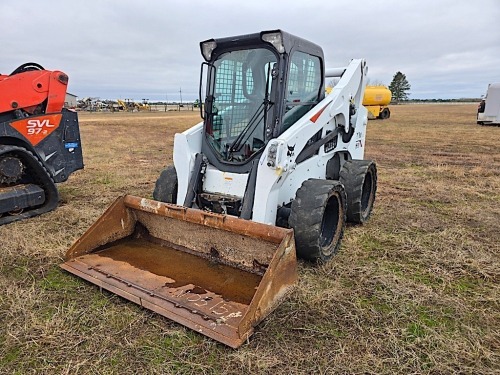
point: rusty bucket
(218, 275)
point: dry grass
(416, 290)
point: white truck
(488, 112)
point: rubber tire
(385, 114)
(359, 178)
(166, 186)
(319, 208)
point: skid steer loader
(39, 141)
(274, 169)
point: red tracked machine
(39, 141)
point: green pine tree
(399, 87)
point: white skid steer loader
(272, 154)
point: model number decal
(37, 126)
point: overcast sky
(150, 49)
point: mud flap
(218, 275)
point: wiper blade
(237, 144)
(260, 114)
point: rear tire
(318, 216)
(360, 181)
(166, 186)
(385, 114)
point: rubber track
(48, 185)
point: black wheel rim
(330, 224)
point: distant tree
(399, 87)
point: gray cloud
(111, 49)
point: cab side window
(304, 84)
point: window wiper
(237, 144)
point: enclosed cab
(258, 86)
(247, 103)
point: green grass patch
(431, 318)
(165, 350)
(426, 317)
(67, 191)
(413, 272)
(15, 272)
(435, 205)
(10, 355)
(414, 331)
(375, 304)
(57, 280)
(425, 278)
(370, 244)
(465, 285)
(105, 179)
(99, 300)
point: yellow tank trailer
(376, 101)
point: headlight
(272, 155)
(276, 39)
(207, 48)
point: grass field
(415, 290)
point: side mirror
(207, 70)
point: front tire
(166, 186)
(360, 181)
(318, 216)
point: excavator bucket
(218, 275)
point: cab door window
(304, 87)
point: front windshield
(236, 124)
